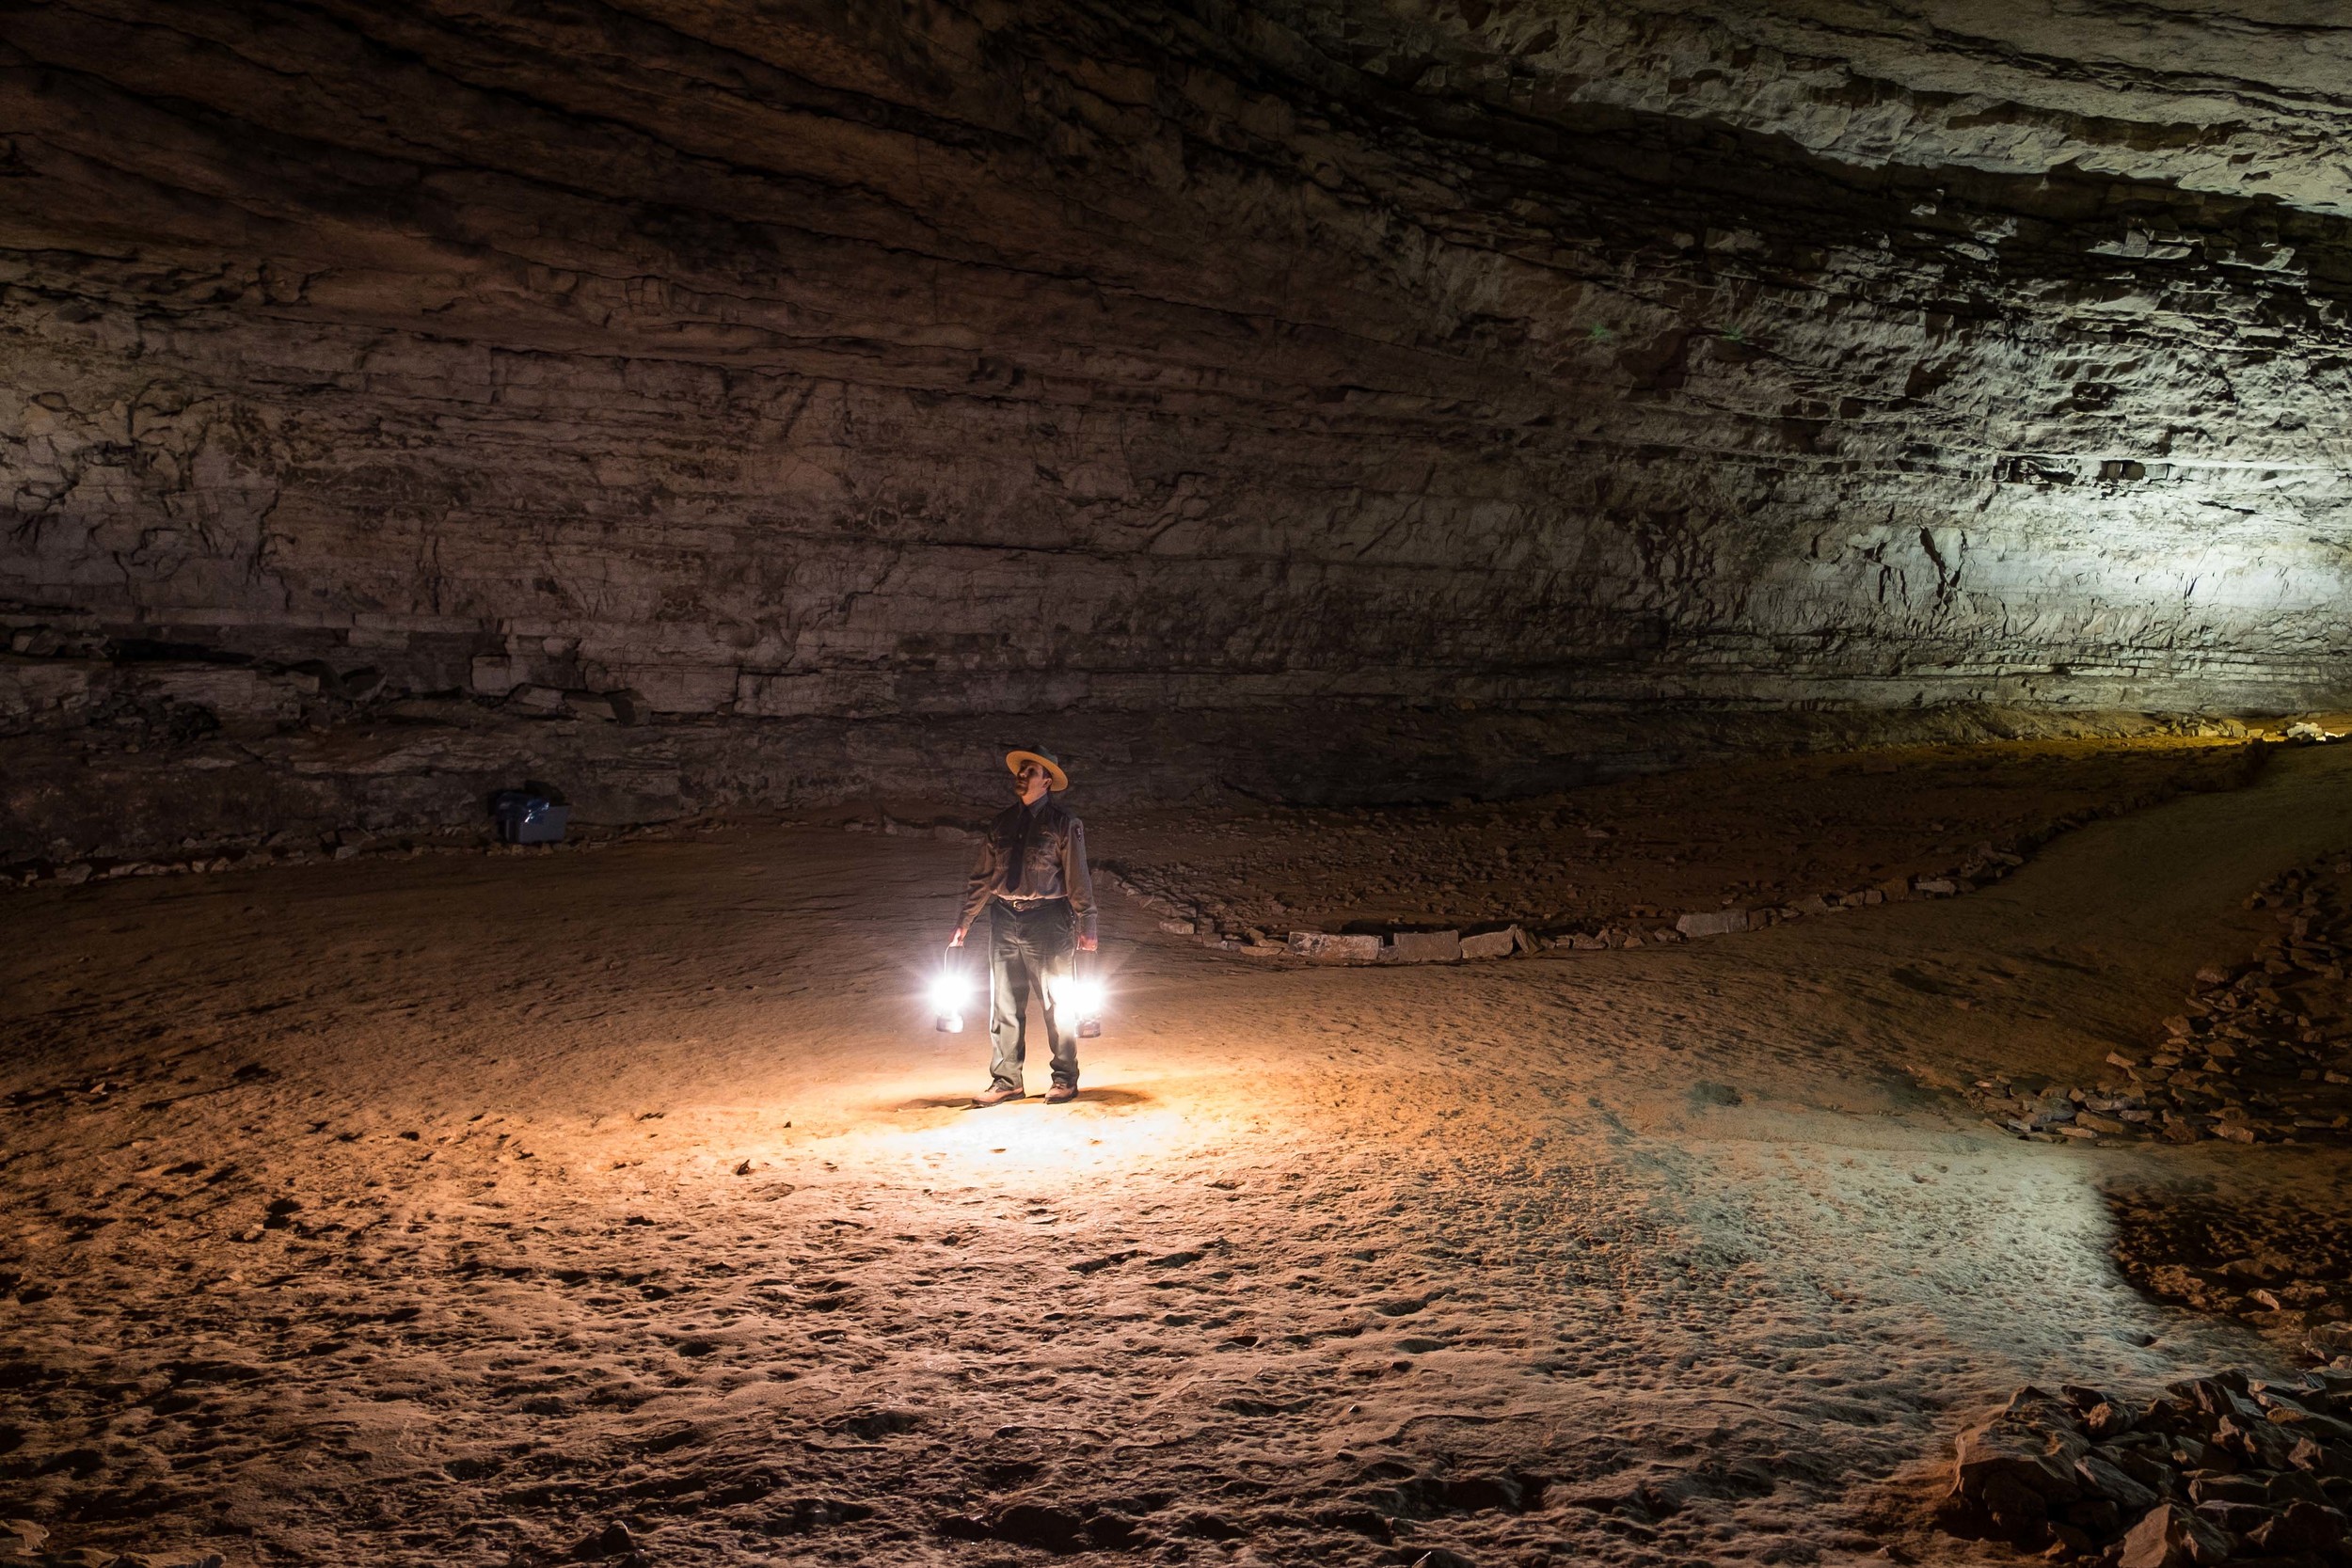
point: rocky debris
(948, 829)
(2260, 1053)
(2215, 1469)
(1152, 889)
(1497, 944)
(1347, 949)
(2278, 1265)
(1611, 937)
(1712, 923)
(1423, 947)
(2170, 1536)
(2304, 731)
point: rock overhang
(1162, 360)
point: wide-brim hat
(1055, 780)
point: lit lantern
(1085, 996)
(948, 993)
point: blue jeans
(1029, 949)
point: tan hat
(1055, 779)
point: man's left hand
(1085, 944)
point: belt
(1026, 904)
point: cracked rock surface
(834, 364)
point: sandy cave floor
(458, 1210)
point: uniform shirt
(1053, 863)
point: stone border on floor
(1410, 945)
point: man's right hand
(956, 940)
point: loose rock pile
(2214, 1470)
(2261, 1053)
(2275, 1264)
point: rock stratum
(826, 362)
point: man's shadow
(1086, 1097)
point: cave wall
(846, 362)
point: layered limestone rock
(817, 363)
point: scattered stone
(1425, 947)
(1492, 945)
(2302, 1527)
(2101, 1477)
(2201, 1475)
(2170, 1536)
(1712, 923)
(1348, 948)
(2247, 1060)
(2017, 1466)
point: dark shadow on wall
(82, 794)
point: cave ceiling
(798, 359)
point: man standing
(1031, 880)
